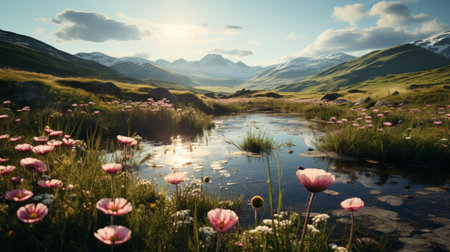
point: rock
(329, 154)
(434, 189)
(269, 94)
(375, 192)
(160, 93)
(368, 240)
(362, 100)
(391, 200)
(440, 236)
(353, 91)
(412, 244)
(378, 219)
(210, 95)
(395, 93)
(341, 101)
(381, 102)
(291, 151)
(330, 97)
(106, 88)
(331, 192)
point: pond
(413, 207)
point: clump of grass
(257, 142)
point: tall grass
(259, 142)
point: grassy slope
(396, 60)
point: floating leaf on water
(435, 189)
(231, 183)
(372, 161)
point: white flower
(337, 248)
(313, 229)
(320, 217)
(285, 223)
(207, 231)
(262, 230)
(268, 222)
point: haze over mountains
(321, 73)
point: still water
(414, 207)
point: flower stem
(48, 165)
(256, 219)
(219, 240)
(305, 226)
(112, 186)
(349, 246)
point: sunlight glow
(176, 31)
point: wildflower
(315, 180)
(320, 217)
(23, 147)
(33, 164)
(114, 207)
(222, 219)
(128, 141)
(32, 213)
(3, 137)
(112, 167)
(313, 229)
(337, 248)
(4, 170)
(18, 195)
(56, 133)
(15, 139)
(387, 124)
(257, 202)
(69, 142)
(352, 204)
(70, 187)
(438, 123)
(50, 183)
(3, 116)
(113, 235)
(17, 180)
(261, 229)
(42, 149)
(40, 139)
(4, 159)
(54, 143)
(176, 178)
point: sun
(176, 31)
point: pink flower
(176, 178)
(3, 137)
(112, 167)
(128, 141)
(352, 204)
(315, 180)
(42, 149)
(54, 143)
(222, 220)
(33, 164)
(6, 169)
(16, 180)
(96, 112)
(32, 213)
(116, 207)
(380, 130)
(6, 102)
(67, 136)
(23, 147)
(437, 123)
(3, 116)
(40, 139)
(50, 183)
(375, 111)
(113, 235)
(387, 124)
(15, 139)
(56, 133)
(4, 159)
(18, 195)
(48, 130)
(70, 187)
(355, 125)
(69, 142)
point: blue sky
(254, 32)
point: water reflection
(232, 171)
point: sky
(256, 32)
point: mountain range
(312, 74)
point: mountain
(439, 43)
(149, 71)
(213, 69)
(26, 53)
(137, 68)
(295, 70)
(396, 60)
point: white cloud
(95, 27)
(254, 42)
(291, 36)
(395, 14)
(350, 13)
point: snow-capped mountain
(295, 70)
(213, 69)
(439, 43)
(109, 61)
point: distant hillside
(50, 54)
(295, 70)
(149, 71)
(22, 58)
(396, 60)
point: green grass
(258, 141)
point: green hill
(396, 60)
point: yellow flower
(257, 202)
